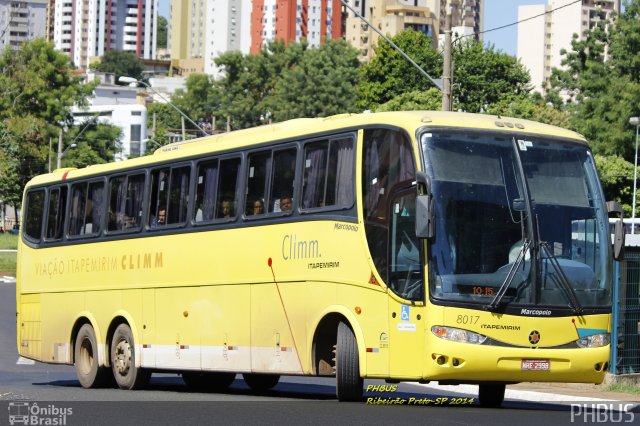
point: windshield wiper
(493, 306)
(562, 279)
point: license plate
(535, 364)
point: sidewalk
(556, 391)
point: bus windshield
(515, 215)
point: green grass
(8, 260)
(624, 388)
(8, 241)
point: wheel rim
(122, 359)
(86, 356)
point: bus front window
(527, 205)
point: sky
(496, 13)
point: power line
(518, 22)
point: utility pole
(50, 147)
(446, 67)
(59, 159)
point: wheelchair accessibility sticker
(405, 316)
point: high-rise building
(540, 39)
(466, 16)
(21, 21)
(88, 28)
(228, 29)
(390, 17)
(294, 20)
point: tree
(389, 74)
(483, 77)
(121, 63)
(161, 40)
(37, 90)
(602, 94)
(616, 176)
(414, 100)
(249, 79)
(96, 143)
(322, 83)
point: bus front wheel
(123, 360)
(89, 373)
(491, 395)
(349, 383)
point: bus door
(406, 290)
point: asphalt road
(50, 394)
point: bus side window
(227, 185)
(77, 210)
(56, 213)
(257, 179)
(207, 182)
(34, 215)
(328, 174)
(125, 202)
(282, 179)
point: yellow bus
(405, 246)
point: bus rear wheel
(123, 360)
(491, 395)
(261, 382)
(349, 383)
(89, 373)
(206, 381)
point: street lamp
(634, 121)
(61, 154)
(129, 80)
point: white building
(21, 21)
(117, 105)
(227, 29)
(88, 28)
(540, 39)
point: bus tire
(123, 360)
(261, 382)
(201, 381)
(89, 373)
(491, 395)
(348, 380)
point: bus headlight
(458, 335)
(594, 341)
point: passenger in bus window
(286, 203)
(258, 206)
(226, 208)
(160, 219)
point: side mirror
(425, 211)
(618, 230)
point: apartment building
(294, 20)
(390, 17)
(541, 39)
(85, 29)
(426, 16)
(21, 21)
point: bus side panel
(225, 330)
(29, 329)
(178, 327)
(59, 310)
(273, 348)
(148, 332)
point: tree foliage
(161, 40)
(121, 63)
(389, 74)
(483, 77)
(37, 90)
(322, 83)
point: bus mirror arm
(425, 211)
(619, 232)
